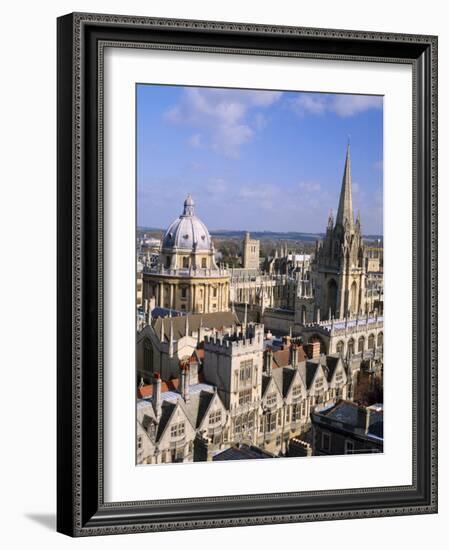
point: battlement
(348, 325)
(243, 338)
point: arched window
(351, 346)
(185, 262)
(340, 347)
(380, 339)
(371, 341)
(361, 347)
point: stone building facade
(244, 394)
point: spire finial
(345, 211)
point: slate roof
(197, 406)
(310, 370)
(289, 375)
(354, 417)
(242, 452)
(331, 365)
(167, 411)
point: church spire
(345, 211)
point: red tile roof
(147, 390)
(282, 357)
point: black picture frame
(81, 509)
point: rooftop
(352, 417)
(242, 452)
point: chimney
(171, 340)
(312, 349)
(286, 341)
(268, 361)
(193, 372)
(157, 400)
(184, 380)
(294, 355)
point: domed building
(187, 277)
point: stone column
(162, 294)
(193, 289)
(171, 297)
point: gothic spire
(345, 211)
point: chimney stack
(156, 398)
(268, 361)
(312, 349)
(294, 355)
(184, 382)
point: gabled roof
(289, 375)
(167, 411)
(332, 362)
(311, 369)
(275, 379)
(196, 406)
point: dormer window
(271, 399)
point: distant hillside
(263, 235)
(267, 235)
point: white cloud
(308, 103)
(216, 186)
(348, 105)
(223, 115)
(310, 186)
(344, 105)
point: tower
(251, 248)
(340, 258)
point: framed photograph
(247, 274)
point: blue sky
(255, 159)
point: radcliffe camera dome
(188, 232)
